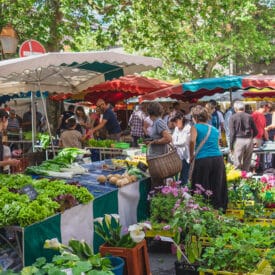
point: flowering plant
(111, 231)
(162, 200)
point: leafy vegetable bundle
(53, 196)
(63, 160)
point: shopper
(242, 131)
(72, 137)
(136, 122)
(209, 168)
(160, 136)
(181, 140)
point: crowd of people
(197, 137)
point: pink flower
(166, 227)
(244, 174)
(198, 192)
(199, 186)
(208, 193)
(157, 238)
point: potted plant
(270, 257)
(238, 250)
(129, 244)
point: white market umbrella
(67, 72)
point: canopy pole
(47, 122)
(33, 112)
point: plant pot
(118, 265)
(136, 258)
(186, 269)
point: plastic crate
(269, 211)
(205, 241)
(261, 221)
(262, 268)
(158, 232)
(136, 258)
(240, 204)
(122, 145)
(236, 213)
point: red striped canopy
(124, 87)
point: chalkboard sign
(30, 191)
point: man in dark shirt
(242, 131)
(109, 120)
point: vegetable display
(53, 196)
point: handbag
(191, 168)
(165, 165)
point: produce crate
(158, 232)
(205, 241)
(237, 213)
(261, 221)
(269, 211)
(263, 268)
(240, 204)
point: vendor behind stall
(5, 160)
(109, 120)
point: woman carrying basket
(159, 139)
(209, 168)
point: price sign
(30, 191)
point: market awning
(69, 72)
(259, 93)
(124, 87)
(259, 81)
(198, 88)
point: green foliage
(16, 208)
(239, 249)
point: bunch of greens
(44, 140)
(17, 208)
(107, 143)
(63, 159)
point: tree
(55, 23)
(191, 36)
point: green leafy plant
(110, 230)
(76, 257)
(270, 257)
(239, 249)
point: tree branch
(192, 68)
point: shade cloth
(68, 72)
(124, 87)
(198, 88)
(259, 81)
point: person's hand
(13, 162)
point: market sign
(31, 47)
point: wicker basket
(166, 165)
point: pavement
(161, 258)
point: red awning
(124, 88)
(258, 81)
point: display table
(130, 202)
(106, 153)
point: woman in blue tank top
(209, 168)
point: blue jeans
(184, 174)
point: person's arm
(98, 127)
(165, 139)
(253, 127)
(11, 162)
(193, 137)
(232, 133)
